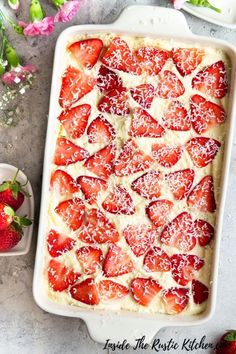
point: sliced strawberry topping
(117, 262)
(67, 153)
(200, 292)
(72, 212)
(144, 290)
(180, 233)
(119, 202)
(91, 187)
(139, 238)
(118, 56)
(75, 85)
(204, 232)
(152, 59)
(177, 118)
(115, 102)
(109, 290)
(131, 160)
(101, 163)
(108, 80)
(63, 183)
(202, 150)
(144, 125)
(143, 94)
(100, 131)
(98, 228)
(87, 51)
(176, 300)
(156, 260)
(205, 114)
(202, 196)
(158, 211)
(169, 86)
(90, 259)
(185, 267)
(59, 243)
(60, 277)
(187, 59)
(75, 120)
(166, 156)
(212, 80)
(86, 292)
(180, 182)
(148, 185)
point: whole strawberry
(10, 236)
(227, 343)
(6, 216)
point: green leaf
(9, 211)
(230, 336)
(15, 190)
(25, 221)
(4, 186)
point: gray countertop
(24, 327)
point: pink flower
(18, 74)
(38, 28)
(67, 11)
(178, 4)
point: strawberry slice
(115, 102)
(166, 156)
(176, 300)
(119, 202)
(143, 95)
(200, 292)
(117, 262)
(156, 260)
(144, 125)
(180, 182)
(139, 238)
(176, 117)
(148, 185)
(131, 160)
(152, 59)
(100, 131)
(144, 290)
(75, 85)
(169, 86)
(98, 228)
(187, 59)
(67, 153)
(72, 212)
(185, 267)
(58, 243)
(158, 211)
(91, 187)
(202, 196)
(204, 232)
(180, 233)
(61, 182)
(90, 259)
(205, 114)
(75, 120)
(87, 51)
(109, 290)
(101, 163)
(118, 56)
(212, 80)
(86, 292)
(108, 80)
(60, 277)
(202, 150)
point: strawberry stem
(14, 179)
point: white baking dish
(141, 21)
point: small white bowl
(7, 172)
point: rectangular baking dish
(138, 21)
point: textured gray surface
(24, 328)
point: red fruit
(59, 243)
(60, 277)
(227, 343)
(202, 150)
(180, 182)
(101, 163)
(86, 292)
(144, 290)
(176, 300)
(187, 59)
(75, 119)
(205, 114)
(152, 59)
(115, 102)
(109, 290)
(119, 202)
(176, 117)
(156, 260)
(63, 183)
(118, 56)
(204, 232)
(67, 153)
(185, 267)
(139, 238)
(143, 94)
(212, 80)
(72, 212)
(10, 237)
(75, 85)
(148, 185)
(100, 131)
(90, 259)
(169, 86)
(91, 187)
(108, 80)
(180, 233)
(200, 292)
(144, 125)
(202, 196)
(98, 228)
(117, 262)
(131, 160)
(158, 211)
(166, 156)
(87, 51)
(6, 216)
